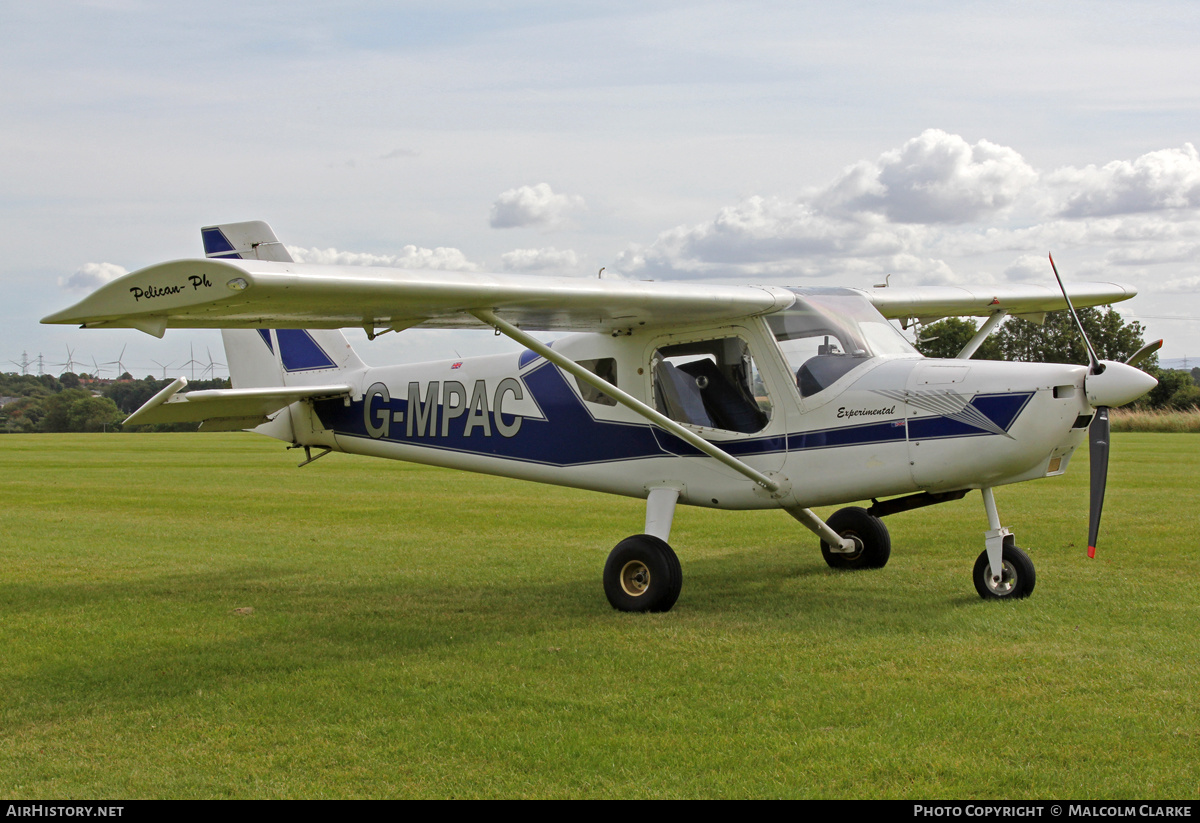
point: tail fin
(259, 358)
(274, 357)
(252, 240)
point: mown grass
(417, 632)
(1155, 420)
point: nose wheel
(1015, 580)
(1003, 571)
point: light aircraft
(730, 397)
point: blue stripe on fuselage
(1001, 408)
(569, 435)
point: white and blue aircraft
(731, 397)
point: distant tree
(69, 380)
(22, 415)
(946, 338)
(1170, 384)
(58, 409)
(1196, 375)
(93, 414)
(78, 410)
(24, 385)
(1057, 340)
(1185, 397)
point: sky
(791, 143)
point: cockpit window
(824, 336)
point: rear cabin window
(711, 383)
(606, 369)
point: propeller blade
(1144, 352)
(1098, 433)
(1096, 367)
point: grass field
(191, 616)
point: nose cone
(1117, 385)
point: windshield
(827, 333)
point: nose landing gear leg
(1003, 571)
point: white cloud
(1156, 181)
(91, 276)
(933, 178)
(532, 206)
(1032, 268)
(1181, 285)
(548, 259)
(1153, 254)
(919, 211)
(763, 235)
(411, 257)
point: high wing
(223, 293)
(250, 294)
(929, 303)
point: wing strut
(626, 400)
(975, 342)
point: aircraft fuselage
(888, 426)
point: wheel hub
(1007, 582)
(635, 578)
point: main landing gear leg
(643, 573)
(1002, 571)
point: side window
(713, 383)
(604, 368)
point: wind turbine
(162, 366)
(118, 363)
(70, 365)
(193, 362)
(211, 368)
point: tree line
(76, 403)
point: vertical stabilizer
(262, 358)
(252, 240)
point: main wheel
(642, 574)
(869, 533)
(1016, 578)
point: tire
(875, 543)
(642, 574)
(1017, 579)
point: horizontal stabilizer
(225, 409)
